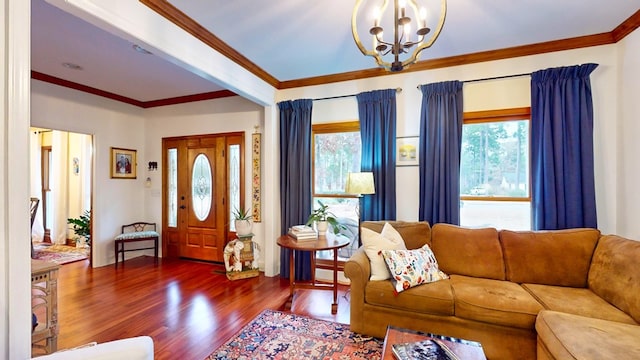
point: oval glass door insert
(201, 185)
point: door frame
(231, 138)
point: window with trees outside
(494, 169)
(336, 152)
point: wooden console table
(322, 243)
(44, 304)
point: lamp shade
(360, 183)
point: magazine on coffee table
(432, 349)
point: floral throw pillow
(411, 268)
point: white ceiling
(296, 39)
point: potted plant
(82, 228)
(322, 217)
(242, 219)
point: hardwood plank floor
(188, 308)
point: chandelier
(404, 49)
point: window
(336, 152)
(494, 169)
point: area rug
(60, 254)
(279, 335)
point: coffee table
(464, 349)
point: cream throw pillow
(374, 243)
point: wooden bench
(138, 231)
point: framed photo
(123, 163)
(407, 151)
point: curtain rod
(398, 90)
(492, 78)
(497, 77)
(42, 131)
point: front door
(195, 213)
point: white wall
(615, 86)
(121, 125)
(115, 201)
(628, 147)
(483, 96)
(230, 114)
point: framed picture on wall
(407, 151)
(123, 163)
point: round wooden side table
(321, 243)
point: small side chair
(134, 232)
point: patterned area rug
(278, 335)
(60, 254)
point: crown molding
(492, 55)
(143, 104)
(171, 13)
(84, 88)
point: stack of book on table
(423, 350)
(303, 232)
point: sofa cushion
(614, 273)
(411, 268)
(568, 336)
(374, 243)
(136, 348)
(470, 252)
(578, 301)
(434, 298)
(559, 257)
(414, 233)
(494, 301)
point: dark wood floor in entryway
(188, 308)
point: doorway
(61, 166)
(203, 178)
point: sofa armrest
(137, 348)
(358, 270)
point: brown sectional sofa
(566, 294)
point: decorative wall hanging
(255, 175)
(407, 151)
(123, 163)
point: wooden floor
(188, 308)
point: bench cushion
(137, 235)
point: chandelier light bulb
(423, 16)
(376, 16)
